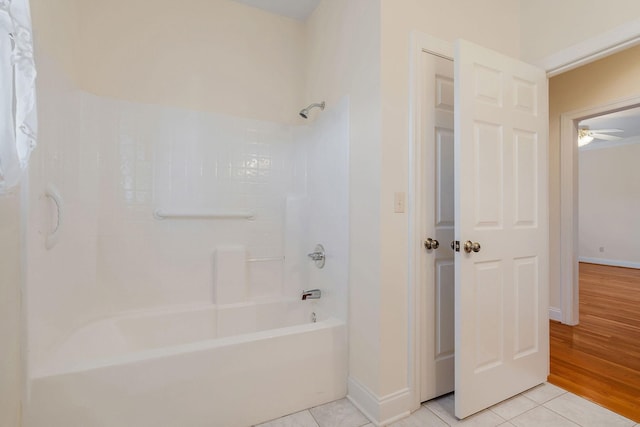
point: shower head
(304, 113)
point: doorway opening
(608, 189)
(595, 358)
(569, 200)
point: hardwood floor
(600, 358)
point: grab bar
(266, 259)
(52, 238)
(161, 214)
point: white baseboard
(612, 262)
(381, 411)
(555, 314)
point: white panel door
(501, 202)
(437, 361)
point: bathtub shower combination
(181, 367)
(173, 274)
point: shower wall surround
(61, 285)
(115, 162)
(318, 209)
(163, 158)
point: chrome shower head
(304, 113)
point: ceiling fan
(586, 135)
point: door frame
(569, 277)
(620, 38)
(597, 47)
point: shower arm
(304, 113)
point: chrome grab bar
(51, 191)
(266, 259)
(232, 214)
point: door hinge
(455, 245)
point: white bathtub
(202, 366)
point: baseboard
(555, 314)
(381, 411)
(612, 262)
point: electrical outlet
(601, 248)
(398, 202)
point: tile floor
(545, 405)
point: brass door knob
(431, 244)
(470, 246)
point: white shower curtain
(18, 121)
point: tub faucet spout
(311, 294)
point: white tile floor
(545, 405)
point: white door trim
(612, 41)
(420, 44)
(569, 201)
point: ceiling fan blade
(605, 137)
(606, 130)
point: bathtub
(223, 366)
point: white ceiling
(627, 120)
(296, 9)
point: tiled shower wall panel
(115, 162)
(318, 211)
(328, 197)
(155, 157)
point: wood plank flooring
(600, 358)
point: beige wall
(10, 317)
(601, 82)
(609, 202)
(218, 56)
(549, 26)
(56, 27)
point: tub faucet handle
(311, 294)
(318, 255)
